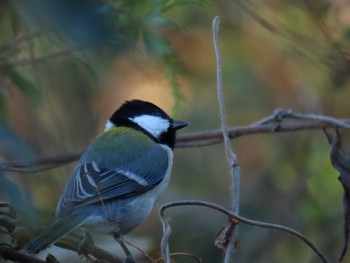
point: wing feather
(96, 180)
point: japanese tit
(119, 177)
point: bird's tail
(53, 233)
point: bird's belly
(121, 216)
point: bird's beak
(177, 125)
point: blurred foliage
(66, 65)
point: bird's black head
(148, 118)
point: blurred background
(65, 66)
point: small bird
(119, 177)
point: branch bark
(9, 253)
(237, 218)
(231, 157)
(189, 140)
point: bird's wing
(92, 183)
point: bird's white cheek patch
(153, 124)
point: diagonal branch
(8, 253)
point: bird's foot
(129, 259)
(84, 243)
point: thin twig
(141, 251)
(280, 115)
(229, 153)
(317, 117)
(164, 243)
(239, 219)
(231, 157)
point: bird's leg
(86, 241)
(129, 257)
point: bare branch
(281, 114)
(71, 243)
(238, 219)
(164, 244)
(41, 164)
(270, 124)
(231, 157)
(9, 253)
